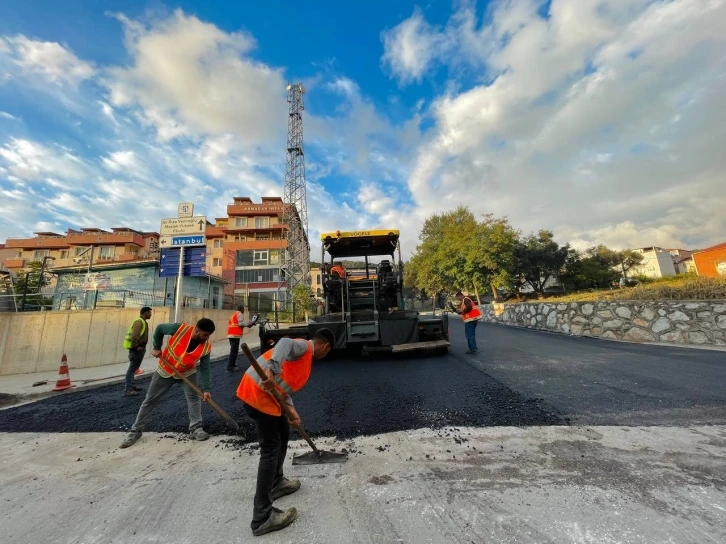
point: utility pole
(295, 266)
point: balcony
(14, 263)
(40, 242)
(111, 238)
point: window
(262, 222)
(78, 250)
(318, 282)
(218, 243)
(257, 276)
(245, 258)
(38, 254)
(216, 262)
(275, 257)
(260, 258)
(106, 252)
(240, 222)
(64, 254)
(320, 292)
(240, 238)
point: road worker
(187, 350)
(235, 330)
(135, 342)
(471, 315)
(288, 368)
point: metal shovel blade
(312, 458)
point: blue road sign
(187, 240)
(195, 262)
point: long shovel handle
(199, 392)
(278, 397)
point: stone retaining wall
(682, 322)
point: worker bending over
(188, 348)
(288, 368)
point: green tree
(629, 259)
(304, 299)
(537, 258)
(491, 255)
(595, 268)
(30, 284)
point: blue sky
(586, 118)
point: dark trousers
(233, 352)
(273, 434)
(135, 358)
(470, 332)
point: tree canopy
(458, 251)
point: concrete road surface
(495, 485)
(514, 454)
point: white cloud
(50, 60)
(561, 135)
(32, 161)
(191, 79)
(411, 47)
(6, 115)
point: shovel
(199, 392)
(314, 457)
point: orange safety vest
(294, 376)
(176, 354)
(233, 326)
(474, 315)
(339, 269)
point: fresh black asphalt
(519, 378)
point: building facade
(81, 246)
(711, 262)
(247, 247)
(657, 263)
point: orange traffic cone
(64, 378)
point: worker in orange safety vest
(188, 350)
(471, 315)
(235, 330)
(288, 368)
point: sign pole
(178, 297)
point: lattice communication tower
(296, 264)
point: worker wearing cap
(288, 368)
(235, 330)
(470, 315)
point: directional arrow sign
(184, 226)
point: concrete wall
(694, 323)
(35, 341)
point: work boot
(130, 393)
(285, 487)
(199, 434)
(137, 388)
(130, 439)
(232, 369)
(278, 520)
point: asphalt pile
(346, 397)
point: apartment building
(247, 247)
(657, 263)
(81, 246)
(711, 262)
(683, 261)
